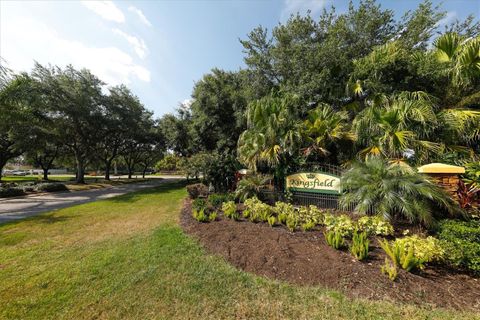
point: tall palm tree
(323, 127)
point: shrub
(250, 186)
(230, 210)
(271, 221)
(427, 249)
(401, 255)
(359, 246)
(390, 269)
(309, 225)
(50, 187)
(285, 208)
(394, 190)
(197, 190)
(310, 214)
(217, 199)
(255, 210)
(292, 222)
(212, 216)
(334, 239)
(461, 242)
(282, 218)
(11, 192)
(200, 215)
(199, 204)
(340, 224)
(375, 225)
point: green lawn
(127, 258)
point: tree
(394, 190)
(15, 116)
(123, 111)
(217, 111)
(323, 129)
(462, 56)
(75, 102)
(273, 133)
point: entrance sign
(313, 182)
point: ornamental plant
(390, 269)
(394, 190)
(375, 225)
(229, 209)
(402, 256)
(309, 225)
(271, 221)
(359, 246)
(342, 224)
(427, 249)
(334, 239)
(292, 222)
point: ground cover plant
(66, 258)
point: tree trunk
(2, 165)
(108, 165)
(143, 173)
(45, 174)
(130, 173)
(80, 171)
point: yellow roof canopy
(440, 168)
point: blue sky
(158, 48)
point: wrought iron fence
(321, 200)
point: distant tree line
(66, 116)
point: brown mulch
(304, 258)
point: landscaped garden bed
(304, 257)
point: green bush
(292, 222)
(461, 242)
(271, 221)
(200, 215)
(217, 199)
(334, 239)
(427, 249)
(402, 255)
(309, 225)
(341, 224)
(359, 246)
(390, 269)
(250, 186)
(199, 204)
(283, 208)
(50, 187)
(229, 209)
(394, 190)
(11, 192)
(375, 225)
(310, 214)
(256, 210)
(197, 190)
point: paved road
(19, 208)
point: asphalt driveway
(24, 207)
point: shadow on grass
(163, 188)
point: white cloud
(23, 39)
(138, 44)
(449, 18)
(294, 6)
(106, 9)
(140, 15)
(187, 103)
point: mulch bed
(304, 258)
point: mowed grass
(127, 258)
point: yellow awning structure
(441, 168)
